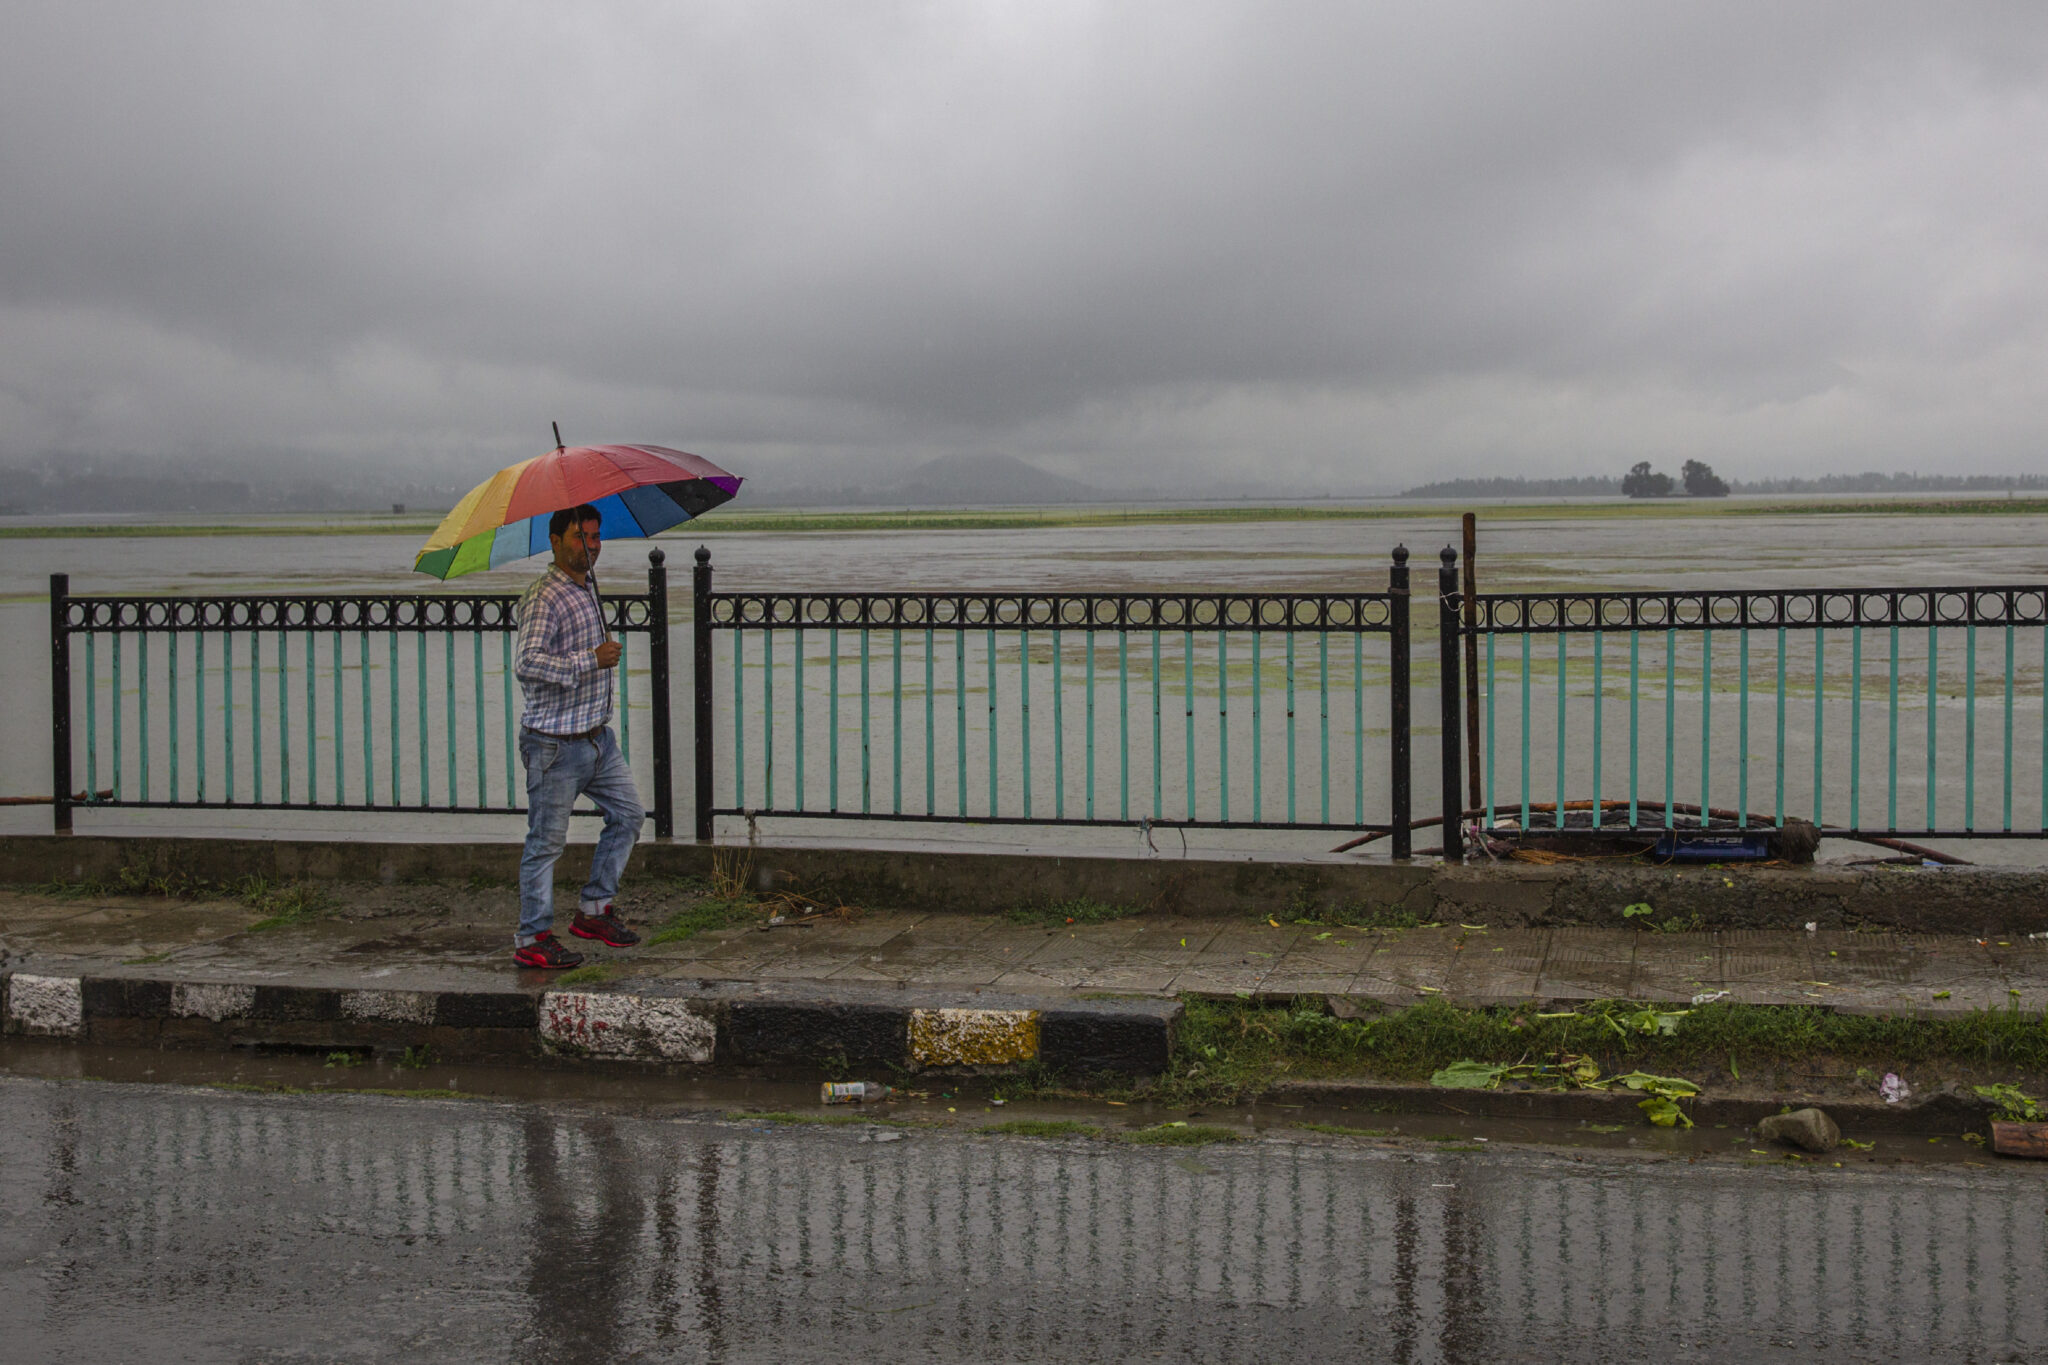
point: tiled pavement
(1148, 955)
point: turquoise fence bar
(739, 720)
(1706, 720)
(1969, 729)
(1187, 658)
(1357, 728)
(227, 719)
(142, 707)
(1291, 783)
(1059, 733)
(1223, 727)
(1258, 735)
(1742, 737)
(1490, 692)
(1525, 728)
(1933, 712)
(866, 735)
(1778, 768)
(931, 803)
(1563, 695)
(171, 647)
(1158, 800)
(1855, 727)
(1088, 730)
(1024, 719)
(832, 715)
(798, 670)
(768, 713)
(1323, 701)
(1599, 725)
(895, 721)
(993, 750)
(92, 725)
(1820, 689)
(1123, 724)
(120, 705)
(199, 716)
(1670, 727)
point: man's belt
(592, 733)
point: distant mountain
(1586, 487)
(949, 481)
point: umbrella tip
(558, 434)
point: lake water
(1528, 549)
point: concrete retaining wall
(1977, 901)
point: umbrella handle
(603, 630)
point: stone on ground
(1808, 1128)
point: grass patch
(281, 903)
(704, 915)
(1182, 1135)
(590, 974)
(1341, 1130)
(287, 905)
(1080, 910)
(1043, 1128)
(1226, 1049)
(1356, 915)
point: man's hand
(608, 653)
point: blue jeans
(557, 772)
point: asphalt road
(144, 1222)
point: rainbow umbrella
(637, 491)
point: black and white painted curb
(697, 1023)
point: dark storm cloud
(1341, 244)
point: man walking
(565, 668)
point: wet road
(164, 1223)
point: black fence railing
(401, 703)
(1909, 712)
(1196, 710)
(1900, 712)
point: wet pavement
(148, 1221)
(462, 942)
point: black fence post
(1453, 710)
(700, 677)
(657, 667)
(60, 702)
(1401, 732)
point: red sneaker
(545, 952)
(606, 928)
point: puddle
(962, 1104)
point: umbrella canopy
(637, 491)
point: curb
(698, 1024)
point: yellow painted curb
(973, 1037)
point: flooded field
(1156, 713)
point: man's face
(576, 549)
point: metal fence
(1909, 712)
(1913, 712)
(358, 703)
(1202, 710)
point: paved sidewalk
(459, 948)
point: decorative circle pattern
(1081, 611)
(1583, 613)
(497, 612)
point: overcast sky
(1326, 245)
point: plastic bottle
(853, 1092)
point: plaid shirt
(559, 626)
